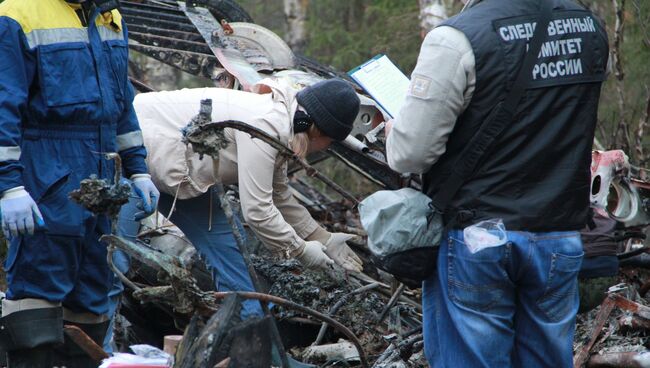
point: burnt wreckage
(169, 290)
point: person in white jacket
(305, 121)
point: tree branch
(642, 23)
(644, 122)
(621, 134)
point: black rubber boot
(29, 337)
(70, 355)
(40, 356)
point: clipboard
(383, 81)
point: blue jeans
(507, 306)
(217, 246)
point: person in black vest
(512, 304)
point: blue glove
(146, 190)
(18, 212)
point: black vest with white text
(537, 175)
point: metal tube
(355, 144)
(289, 304)
(118, 273)
(284, 150)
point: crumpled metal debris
(101, 197)
(204, 141)
(340, 351)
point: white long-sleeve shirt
(268, 205)
(442, 86)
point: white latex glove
(313, 256)
(341, 253)
(18, 212)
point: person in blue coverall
(65, 99)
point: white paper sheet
(384, 82)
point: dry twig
(644, 122)
(642, 23)
(622, 132)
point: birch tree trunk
(295, 12)
(432, 13)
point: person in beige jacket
(306, 121)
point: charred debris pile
(336, 319)
(329, 318)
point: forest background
(344, 34)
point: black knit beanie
(333, 105)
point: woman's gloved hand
(18, 211)
(313, 256)
(340, 252)
(146, 190)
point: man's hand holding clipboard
(383, 81)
